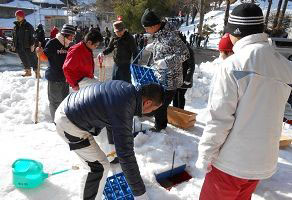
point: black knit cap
(245, 19)
(68, 29)
(149, 18)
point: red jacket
(78, 64)
(54, 32)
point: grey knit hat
(68, 29)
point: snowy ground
(21, 138)
(24, 139)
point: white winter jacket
(245, 110)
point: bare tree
(220, 2)
(188, 16)
(282, 14)
(105, 5)
(202, 14)
(275, 23)
(226, 15)
(194, 13)
(268, 13)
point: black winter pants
(106, 41)
(28, 58)
(179, 98)
(121, 72)
(161, 113)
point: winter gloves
(161, 64)
(149, 47)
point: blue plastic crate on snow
(116, 187)
(142, 75)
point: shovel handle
(172, 163)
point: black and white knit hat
(245, 19)
(68, 29)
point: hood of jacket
(166, 27)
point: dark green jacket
(23, 35)
(124, 48)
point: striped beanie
(68, 29)
(245, 19)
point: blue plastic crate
(116, 187)
(142, 75)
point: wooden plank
(285, 141)
(181, 118)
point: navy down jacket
(113, 104)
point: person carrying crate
(169, 52)
(112, 104)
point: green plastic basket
(28, 173)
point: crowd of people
(238, 148)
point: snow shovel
(173, 177)
(36, 111)
(29, 173)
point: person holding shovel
(113, 104)
(55, 52)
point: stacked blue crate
(116, 187)
(142, 75)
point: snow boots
(27, 72)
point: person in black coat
(23, 39)
(107, 37)
(56, 52)
(188, 72)
(40, 35)
(124, 47)
(83, 114)
(78, 36)
(191, 39)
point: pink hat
(20, 13)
